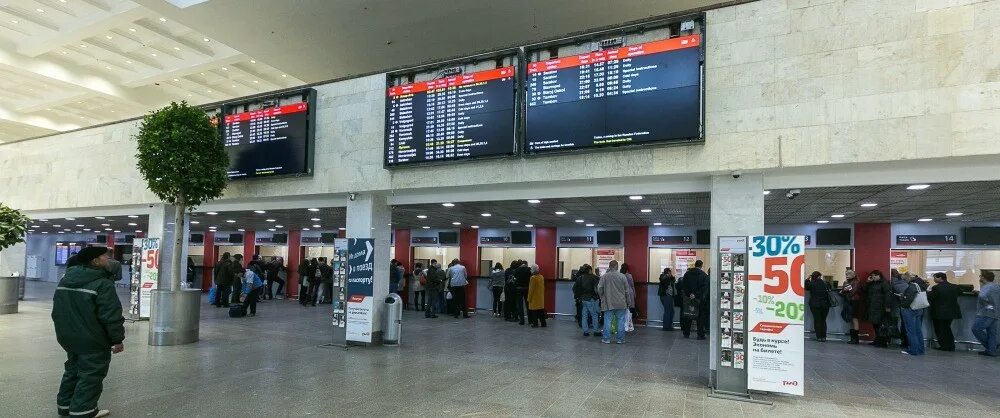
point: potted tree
(13, 225)
(183, 160)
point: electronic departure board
(464, 116)
(630, 95)
(273, 138)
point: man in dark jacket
(694, 288)
(522, 275)
(819, 303)
(236, 268)
(944, 309)
(89, 326)
(326, 278)
(435, 285)
(585, 290)
(305, 272)
(223, 280)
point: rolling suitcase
(237, 311)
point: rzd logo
(789, 382)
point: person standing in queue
(879, 301)
(237, 280)
(252, 285)
(305, 272)
(899, 284)
(419, 287)
(522, 276)
(435, 287)
(694, 291)
(458, 280)
(666, 291)
(89, 326)
(223, 280)
(987, 313)
(326, 279)
(851, 292)
(497, 281)
(943, 298)
(913, 316)
(315, 280)
(585, 290)
(510, 293)
(273, 270)
(536, 298)
(819, 303)
(616, 299)
(627, 271)
(394, 276)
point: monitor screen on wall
(328, 238)
(197, 238)
(981, 235)
(235, 238)
(451, 118)
(833, 236)
(703, 237)
(271, 136)
(609, 237)
(279, 238)
(635, 94)
(448, 238)
(520, 237)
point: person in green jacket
(89, 325)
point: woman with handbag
(851, 291)
(912, 307)
(819, 303)
(879, 303)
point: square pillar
(369, 216)
(292, 263)
(737, 209)
(208, 263)
(546, 255)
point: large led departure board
(464, 116)
(635, 94)
(268, 138)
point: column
(871, 252)
(249, 246)
(208, 263)
(401, 240)
(111, 240)
(546, 255)
(368, 216)
(737, 209)
(174, 312)
(637, 257)
(468, 253)
(292, 264)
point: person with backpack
(585, 290)
(666, 291)
(419, 286)
(694, 290)
(913, 303)
(435, 285)
(819, 303)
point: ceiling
(977, 201)
(67, 64)
(101, 225)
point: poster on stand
(776, 311)
(150, 261)
(360, 289)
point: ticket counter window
(231, 249)
(570, 259)
(269, 252)
(961, 266)
(678, 259)
(443, 255)
(831, 263)
(197, 254)
(504, 256)
(319, 252)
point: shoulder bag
(920, 301)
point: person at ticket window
(89, 325)
(694, 288)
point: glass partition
(961, 266)
(678, 259)
(831, 263)
(231, 249)
(570, 259)
(320, 251)
(443, 255)
(504, 256)
(269, 252)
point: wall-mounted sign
(809, 239)
(946, 239)
(898, 261)
(672, 239)
(424, 240)
(311, 240)
(580, 239)
(494, 240)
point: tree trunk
(175, 266)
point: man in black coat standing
(694, 289)
(943, 298)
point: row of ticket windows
(961, 266)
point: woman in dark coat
(853, 312)
(879, 302)
(819, 303)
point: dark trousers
(432, 303)
(819, 321)
(943, 334)
(313, 293)
(579, 312)
(701, 322)
(535, 316)
(903, 342)
(251, 301)
(419, 299)
(497, 304)
(458, 298)
(303, 293)
(522, 303)
(510, 303)
(237, 289)
(82, 383)
(222, 295)
(269, 294)
(328, 292)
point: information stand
(360, 289)
(134, 282)
(340, 294)
(731, 376)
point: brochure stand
(339, 303)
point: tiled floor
(272, 365)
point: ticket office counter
(569, 262)
(488, 257)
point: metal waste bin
(8, 294)
(393, 319)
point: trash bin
(393, 319)
(8, 294)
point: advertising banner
(604, 258)
(775, 283)
(897, 260)
(685, 259)
(360, 289)
(150, 261)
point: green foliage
(181, 155)
(13, 226)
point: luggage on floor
(237, 311)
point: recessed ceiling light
(209, 91)
(138, 231)
(529, 226)
(305, 229)
(869, 205)
(132, 224)
(448, 205)
(341, 229)
(205, 39)
(212, 213)
(253, 61)
(45, 232)
(128, 61)
(426, 227)
(255, 82)
(924, 220)
(107, 67)
(13, 21)
(579, 221)
(195, 222)
(233, 86)
(636, 197)
(83, 46)
(212, 227)
(953, 214)
(837, 216)
(313, 210)
(284, 75)
(152, 54)
(105, 224)
(163, 19)
(40, 10)
(63, 52)
(487, 215)
(259, 211)
(108, 36)
(177, 79)
(86, 229)
(107, 229)
(230, 221)
(645, 210)
(475, 226)
(61, 232)
(767, 192)
(241, 230)
(456, 223)
(70, 219)
(314, 219)
(590, 224)
(918, 186)
(657, 223)
(271, 229)
(177, 48)
(421, 216)
(57, 226)
(131, 29)
(271, 220)
(317, 226)
(225, 69)
(534, 201)
(515, 222)
(279, 226)
(117, 231)
(560, 213)
(80, 226)
(823, 222)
